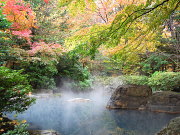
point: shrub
(41, 75)
(82, 85)
(154, 62)
(164, 81)
(158, 81)
(134, 79)
(19, 129)
(5, 41)
(42, 66)
(14, 88)
(70, 67)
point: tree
(133, 31)
(4, 24)
(14, 89)
(20, 19)
(20, 15)
(52, 22)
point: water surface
(91, 118)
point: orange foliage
(20, 15)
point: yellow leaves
(76, 7)
(63, 3)
(84, 36)
(23, 121)
(89, 12)
(166, 33)
(91, 5)
(83, 31)
(7, 124)
(111, 51)
(1, 118)
(14, 122)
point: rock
(129, 97)
(43, 132)
(176, 89)
(166, 101)
(79, 100)
(173, 128)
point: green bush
(154, 62)
(4, 24)
(70, 67)
(41, 75)
(5, 42)
(14, 88)
(82, 85)
(20, 129)
(164, 81)
(135, 79)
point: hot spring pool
(92, 117)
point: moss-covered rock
(173, 128)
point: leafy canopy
(20, 15)
(134, 22)
(134, 30)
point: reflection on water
(91, 118)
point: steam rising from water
(90, 118)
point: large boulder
(166, 101)
(129, 97)
(173, 128)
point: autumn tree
(52, 22)
(133, 31)
(17, 37)
(20, 15)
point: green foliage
(164, 81)
(134, 28)
(14, 88)
(41, 74)
(111, 82)
(135, 79)
(130, 22)
(70, 67)
(52, 22)
(4, 24)
(154, 63)
(86, 42)
(85, 82)
(41, 66)
(4, 48)
(77, 6)
(20, 129)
